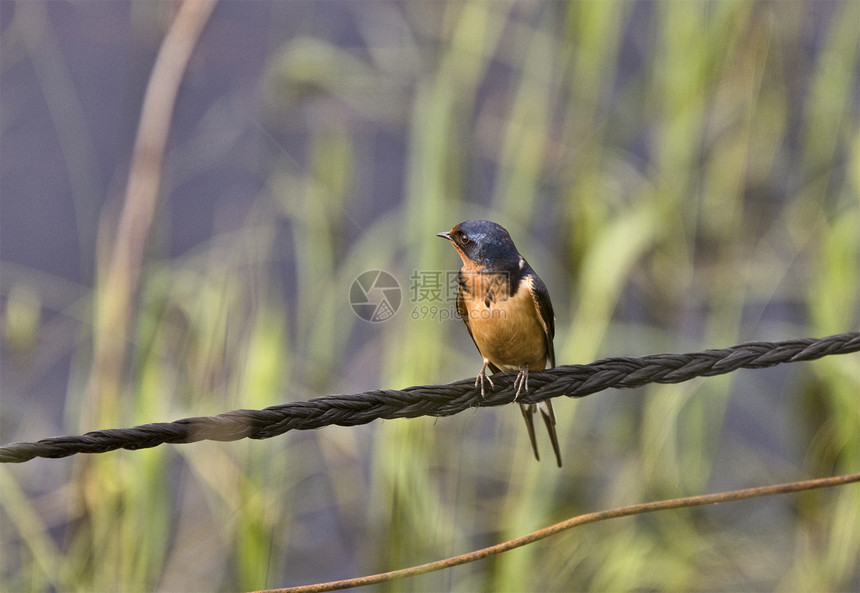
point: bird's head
(483, 244)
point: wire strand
(636, 509)
(438, 400)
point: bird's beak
(446, 235)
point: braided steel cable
(438, 400)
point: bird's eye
(464, 238)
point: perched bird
(507, 311)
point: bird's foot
(521, 381)
(482, 376)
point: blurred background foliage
(683, 175)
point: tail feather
(546, 412)
(528, 411)
(548, 416)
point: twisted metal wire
(438, 400)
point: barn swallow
(508, 313)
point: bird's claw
(521, 381)
(481, 377)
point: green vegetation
(683, 175)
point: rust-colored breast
(506, 329)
